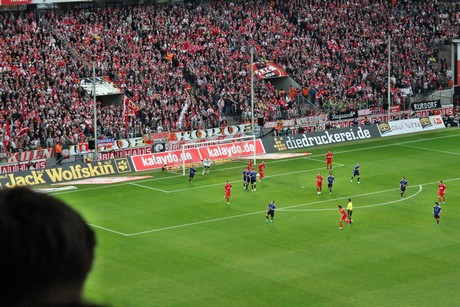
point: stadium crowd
(186, 66)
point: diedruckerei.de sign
(319, 138)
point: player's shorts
(356, 173)
(403, 189)
(329, 185)
(350, 213)
(253, 180)
(271, 213)
(319, 184)
(206, 166)
(441, 194)
(343, 217)
(191, 176)
(227, 195)
(436, 216)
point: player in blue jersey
(403, 185)
(437, 212)
(246, 179)
(253, 179)
(270, 211)
(355, 172)
(330, 182)
(191, 173)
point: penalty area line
(360, 207)
(150, 188)
(109, 230)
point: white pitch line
(259, 212)
(109, 230)
(150, 188)
(192, 224)
(360, 207)
(318, 160)
(431, 149)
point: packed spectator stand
(187, 66)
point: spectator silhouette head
(47, 250)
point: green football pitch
(164, 241)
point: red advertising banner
(232, 150)
(157, 160)
(175, 158)
(15, 2)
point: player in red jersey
(261, 170)
(441, 192)
(343, 216)
(319, 183)
(227, 188)
(329, 156)
(250, 165)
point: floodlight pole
(252, 103)
(389, 75)
(95, 111)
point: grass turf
(166, 242)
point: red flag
(6, 139)
(22, 132)
(130, 108)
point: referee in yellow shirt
(349, 211)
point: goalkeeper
(206, 165)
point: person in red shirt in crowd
(227, 188)
(261, 170)
(441, 192)
(329, 156)
(343, 216)
(319, 183)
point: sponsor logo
(426, 122)
(280, 144)
(321, 138)
(122, 165)
(384, 128)
(65, 173)
(195, 155)
(340, 116)
(413, 125)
